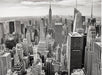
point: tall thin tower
(92, 10)
(50, 14)
(76, 4)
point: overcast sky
(40, 7)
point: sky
(13, 8)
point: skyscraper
(18, 63)
(1, 32)
(18, 26)
(91, 35)
(96, 63)
(42, 47)
(50, 16)
(1, 66)
(6, 27)
(74, 51)
(35, 53)
(59, 37)
(11, 27)
(77, 20)
(5, 63)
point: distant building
(18, 26)
(59, 36)
(1, 32)
(11, 26)
(50, 17)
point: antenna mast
(92, 10)
(50, 3)
(76, 3)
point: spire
(76, 3)
(50, 4)
(92, 10)
(50, 14)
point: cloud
(10, 1)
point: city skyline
(15, 8)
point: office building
(11, 27)
(77, 25)
(17, 26)
(91, 35)
(19, 50)
(96, 63)
(6, 27)
(1, 66)
(35, 53)
(74, 51)
(1, 32)
(5, 63)
(42, 47)
(59, 36)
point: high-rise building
(1, 66)
(17, 26)
(1, 32)
(74, 51)
(6, 27)
(96, 63)
(22, 28)
(58, 53)
(11, 27)
(84, 45)
(49, 67)
(5, 63)
(50, 16)
(91, 35)
(42, 47)
(28, 37)
(19, 50)
(59, 36)
(35, 53)
(18, 64)
(77, 20)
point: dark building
(49, 68)
(1, 33)
(84, 45)
(74, 52)
(50, 17)
(11, 27)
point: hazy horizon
(14, 8)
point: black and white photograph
(50, 37)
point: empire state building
(50, 17)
